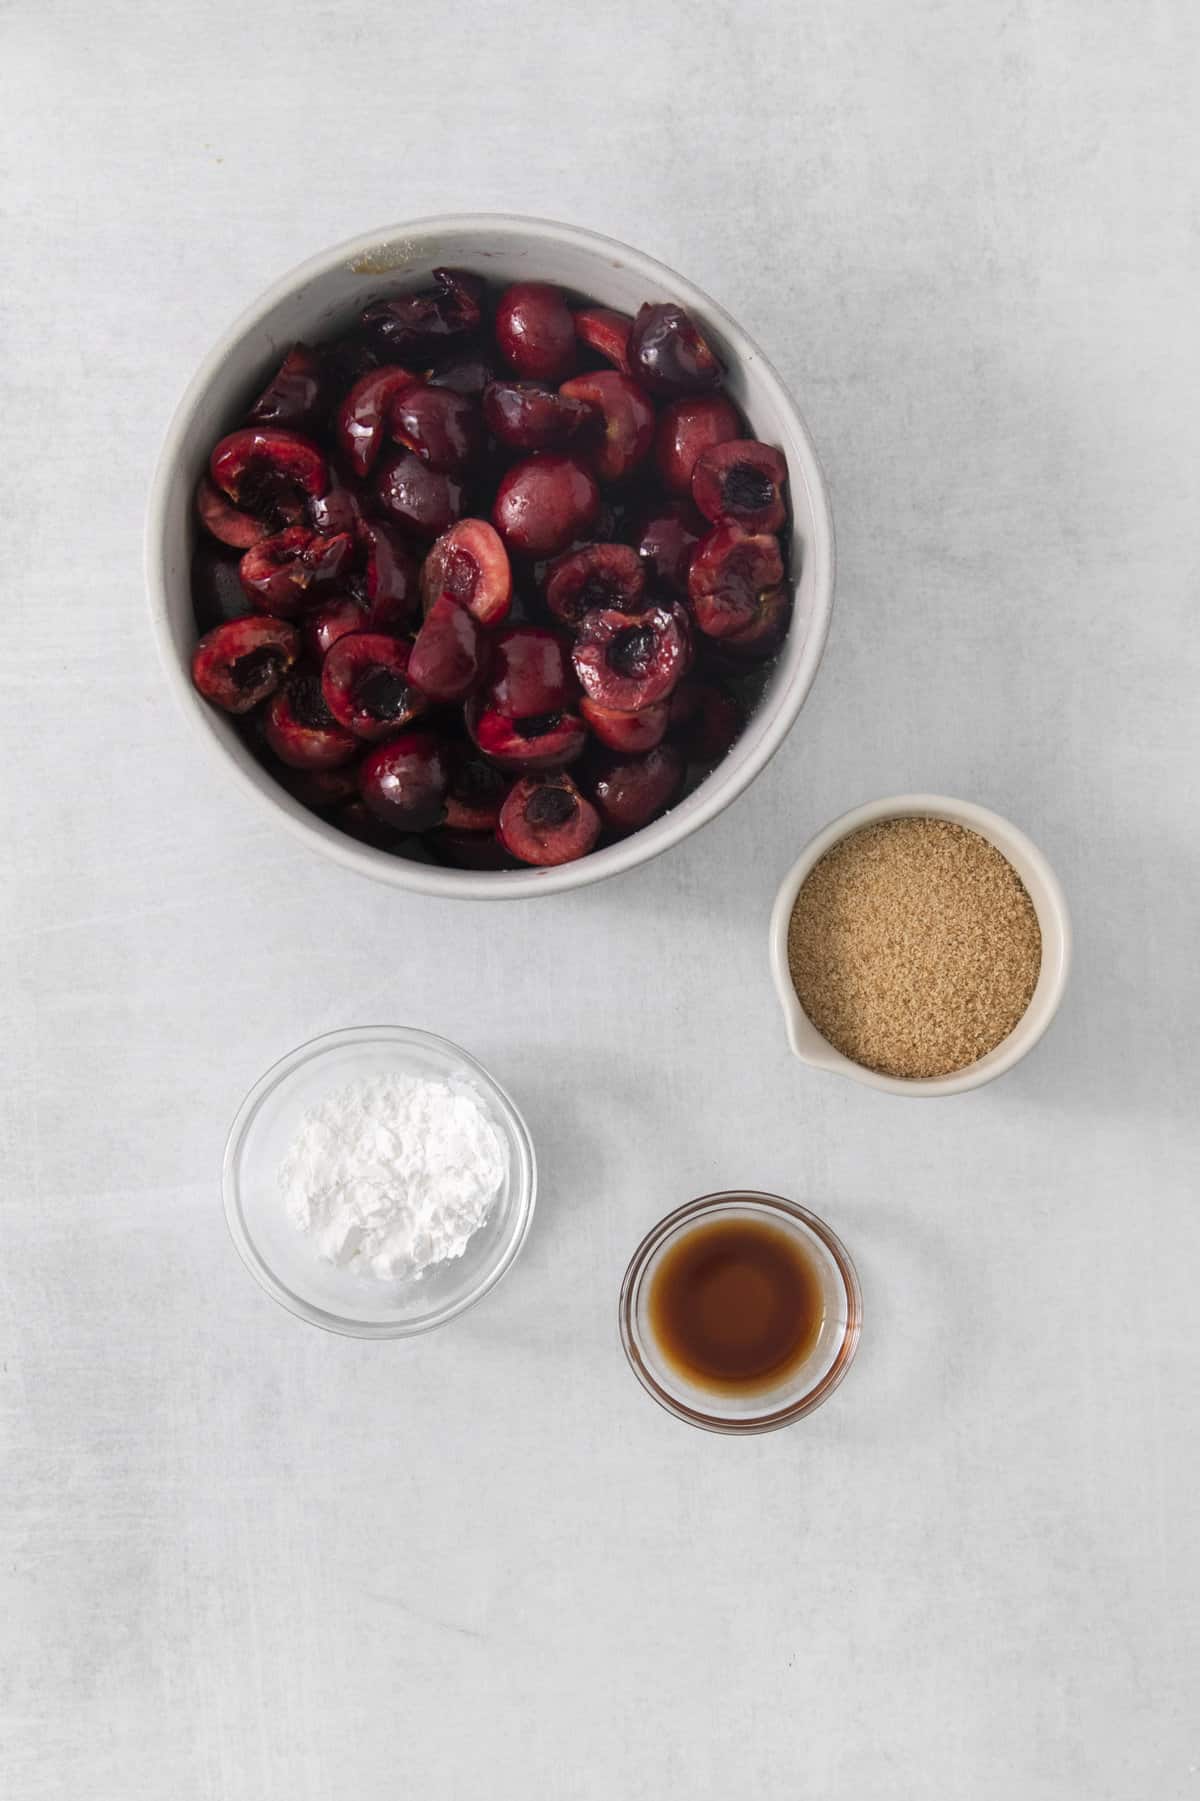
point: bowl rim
(716, 792)
(1054, 920)
(713, 1205)
(311, 1051)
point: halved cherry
(523, 415)
(530, 673)
(628, 420)
(323, 628)
(403, 782)
(476, 792)
(705, 719)
(338, 510)
(240, 663)
(280, 573)
(419, 499)
(546, 820)
(545, 504)
(630, 660)
(447, 656)
(419, 325)
(535, 332)
(226, 522)
(294, 394)
(631, 791)
(665, 538)
(669, 353)
(301, 730)
(470, 562)
(547, 741)
(732, 572)
(464, 373)
(439, 426)
(365, 683)
(744, 480)
(686, 429)
(269, 473)
(765, 632)
(596, 575)
(632, 733)
(363, 415)
(391, 578)
(606, 332)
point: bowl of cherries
(491, 555)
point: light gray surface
(242, 1559)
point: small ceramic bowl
(323, 296)
(804, 1387)
(1049, 904)
(284, 1261)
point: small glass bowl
(283, 1260)
(804, 1387)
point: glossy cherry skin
(530, 672)
(665, 539)
(535, 332)
(365, 683)
(631, 660)
(607, 333)
(403, 781)
(628, 421)
(669, 354)
(743, 480)
(227, 523)
(419, 326)
(732, 571)
(546, 821)
(439, 426)
(420, 500)
(301, 730)
(545, 504)
(470, 563)
(631, 791)
(596, 575)
(447, 657)
(325, 625)
(464, 374)
(523, 415)
(633, 733)
(281, 574)
(390, 577)
(243, 661)
(686, 429)
(294, 396)
(363, 416)
(548, 741)
(269, 473)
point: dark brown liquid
(736, 1304)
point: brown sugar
(914, 947)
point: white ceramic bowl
(323, 296)
(283, 1260)
(1049, 904)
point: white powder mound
(393, 1174)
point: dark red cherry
(597, 575)
(323, 627)
(530, 673)
(470, 563)
(227, 523)
(632, 733)
(403, 782)
(732, 572)
(762, 636)
(301, 730)
(686, 429)
(365, 683)
(545, 504)
(419, 326)
(628, 421)
(547, 741)
(269, 473)
(546, 821)
(631, 791)
(631, 660)
(419, 499)
(390, 579)
(535, 332)
(743, 480)
(463, 374)
(665, 538)
(240, 663)
(607, 333)
(668, 352)
(294, 396)
(448, 654)
(523, 415)
(476, 792)
(281, 574)
(439, 426)
(363, 416)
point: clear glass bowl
(283, 1259)
(805, 1386)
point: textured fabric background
(240, 1559)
